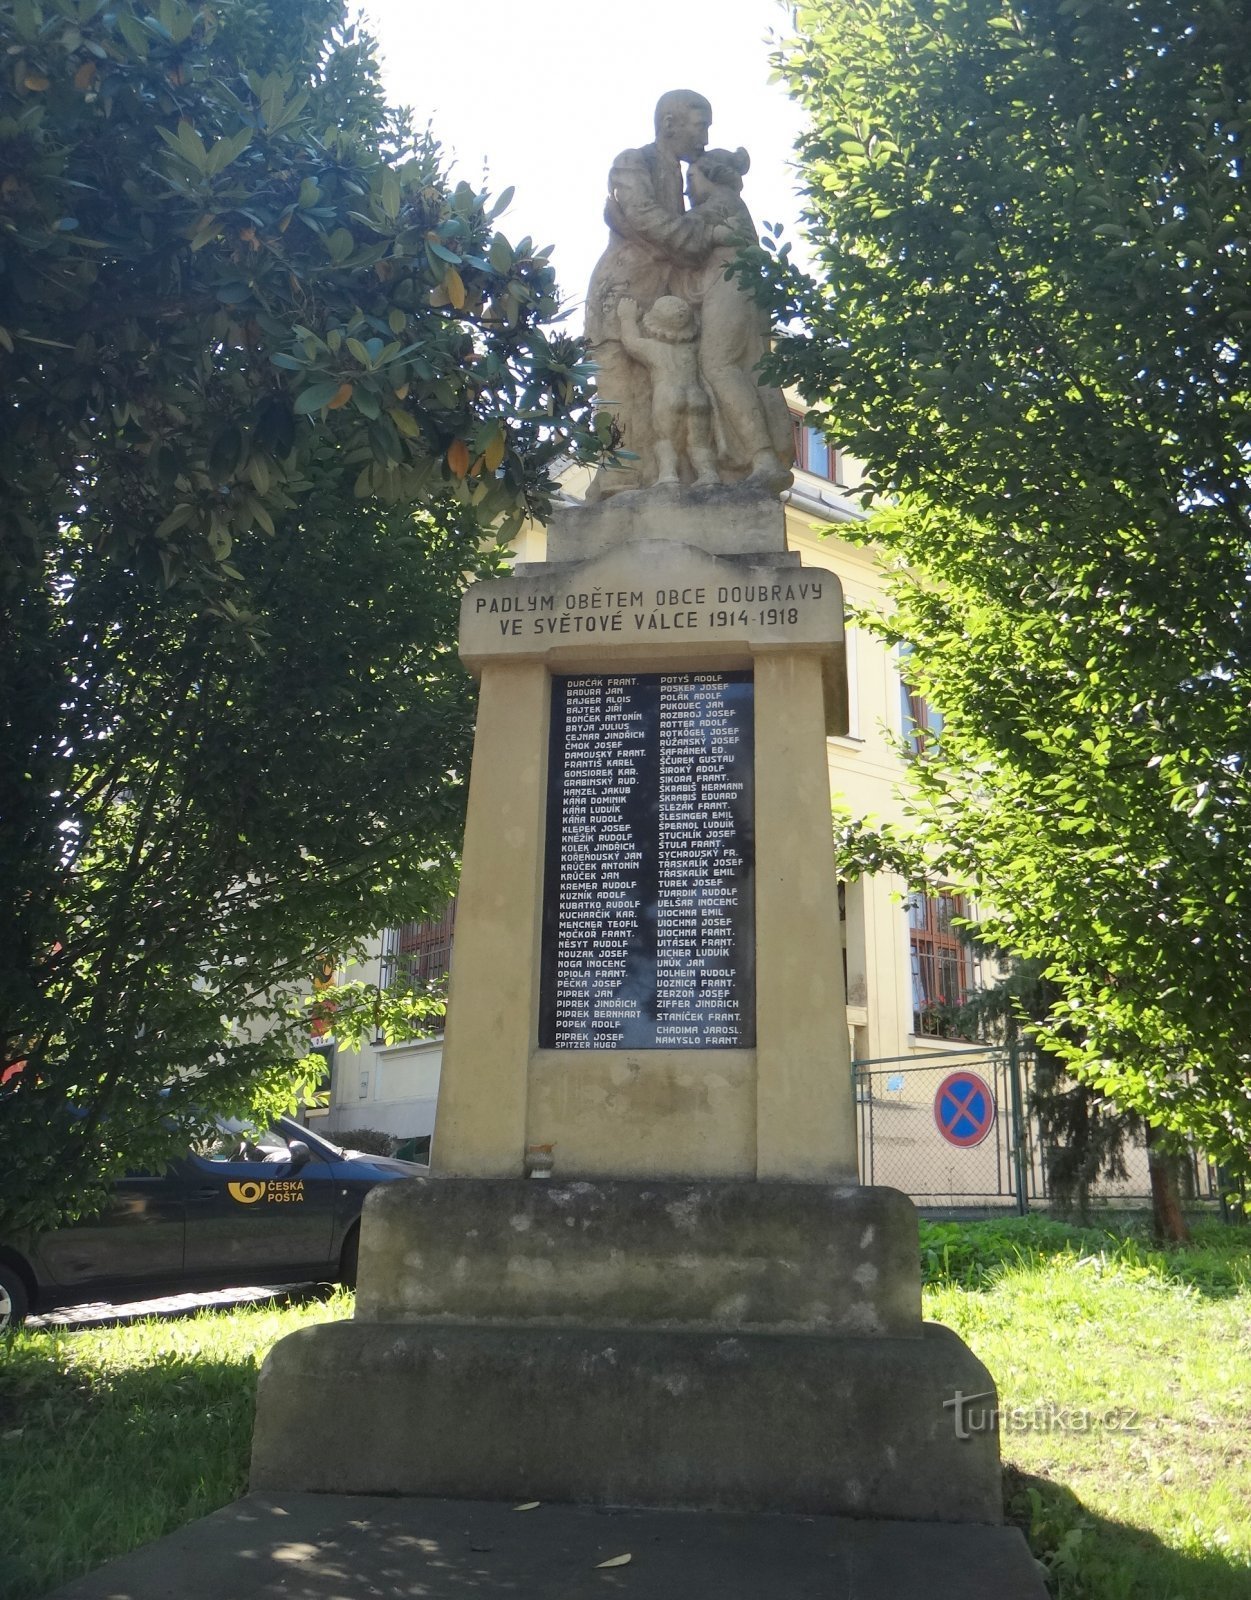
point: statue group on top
(676, 342)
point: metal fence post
(1018, 1126)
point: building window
(418, 952)
(920, 722)
(851, 931)
(814, 453)
(942, 963)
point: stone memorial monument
(642, 1270)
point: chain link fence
(954, 1130)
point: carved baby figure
(681, 413)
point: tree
(274, 390)
(1031, 222)
(1083, 1134)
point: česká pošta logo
(276, 1191)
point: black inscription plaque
(648, 900)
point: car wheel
(348, 1256)
(14, 1300)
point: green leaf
(404, 423)
(190, 146)
(178, 518)
(501, 205)
(133, 32)
(315, 397)
(500, 254)
(340, 244)
(225, 151)
(259, 512)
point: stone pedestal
(717, 1257)
(734, 1346)
(700, 1306)
(730, 519)
(782, 1108)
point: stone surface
(783, 1110)
(329, 1547)
(663, 1113)
(749, 1422)
(726, 520)
(492, 1012)
(734, 1257)
(676, 343)
(648, 601)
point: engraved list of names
(648, 903)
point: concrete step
(348, 1547)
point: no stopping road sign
(964, 1108)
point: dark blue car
(282, 1206)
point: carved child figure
(681, 410)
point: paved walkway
(107, 1313)
(345, 1547)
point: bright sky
(542, 97)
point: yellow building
(904, 962)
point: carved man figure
(652, 242)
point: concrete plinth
(758, 1422)
(732, 1257)
(720, 1345)
(722, 518)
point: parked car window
(235, 1140)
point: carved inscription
(648, 935)
(543, 614)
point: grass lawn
(1079, 1328)
(111, 1437)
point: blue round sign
(964, 1109)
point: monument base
(729, 1346)
(610, 1416)
(722, 518)
(714, 1255)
